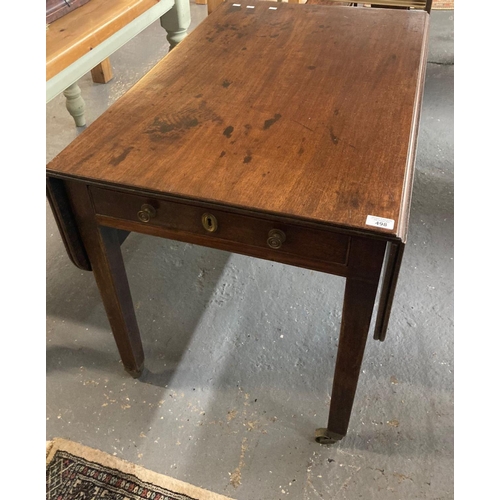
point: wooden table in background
(279, 131)
(85, 37)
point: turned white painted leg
(176, 22)
(75, 104)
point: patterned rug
(75, 472)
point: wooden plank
(55, 9)
(307, 113)
(394, 259)
(63, 215)
(77, 33)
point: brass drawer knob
(209, 222)
(146, 213)
(276, 238)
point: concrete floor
(240, 352)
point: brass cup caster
(324, 436)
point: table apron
(324, 249)
(227, 245)
(333, 251)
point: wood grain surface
(78, 32)
(55, 9)
(103, 72)
(304, 111)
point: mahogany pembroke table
(279, 131)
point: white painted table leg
(75, 104)
(176, 22)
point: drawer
(222, 225)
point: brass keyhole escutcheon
(146, 213)
(209, 222)
(276, 238)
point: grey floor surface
(240, 352)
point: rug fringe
(48, 447)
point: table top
(305, 111)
